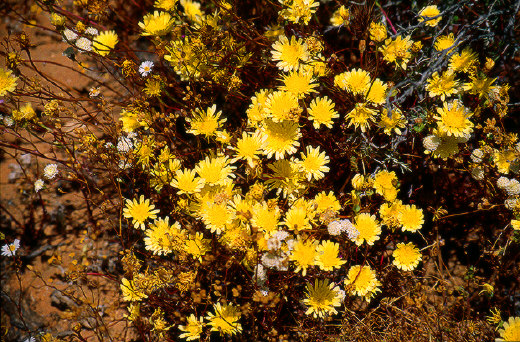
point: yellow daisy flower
(282, 105)
(187, 182)
(341, 17)
(216, 216)
(442, 85)
(139, 211)
(327, 256)
(26, 112)
(7, 81)
(104, 42)
(192, 10)
(324, 201)
(256, 111)
(280, 138)
(466, 61)
(377, 92)
(225, 319)
(156, 24)
(266, 218)
(445, 42)
(385, 184)
(313, 163)
(411, 218)
(193, 328)
(453, 119)
(428, 14)
(322, 297)
(289, 54)
(397, 51)
(304, 254)
(368, 228)
(166, 5)
(321, 112)
(362, 281)
(360, 116)
(206, 122)
(392, 123)
(216, 170)
(130, 292)
(249, 147)
(510, 330)
(406, 256)
(197, 246)
(356, 81)
(377, 32)
(163, 238)
(298, 83)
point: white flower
(513, 188)
(145, 68)
(431, 142)
(38, 185)
(29, 339)
(10, 248)
(477, 173)
(109, 145)
(334, 228)
(511, 203)
(503, 182)
(8, 121)
(477, 155)
(350, 229)
(274, 244)
(92, 31)
(124, 144)
(50, 171)
(84, 44)
(69, 35)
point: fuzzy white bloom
(511, 203)
(69, 35)
(274, 244)
(431, 142)
(341, 294)
(124, 164)
(10, 248)
(84, 44)
(109, 145)
(334, 228)
(503, 182)
(260, 273)
(92, 31)
(477, 173)
(290, 244)
(145, 68)
(124, 144)
(270, 260)
(477, 155)
(50, 171)
(264, 293)
(8, 121)
(513, 188)
(38, 185)
(350, 229)
(280, 235)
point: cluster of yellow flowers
(234, 142)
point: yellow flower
(322, 298)
(314, 163)
(104, 42)
(392, 123)
(362, 281)
(453, 119)
(481, 86)
(249, 147)
(7, 81)
(297, 218)
(341, 17)
(163, 238)
(360, 116)
(389, 213)
(321, 112)
(411, 218)
(225, 319)
(187, 182)
(280, 138)
(156, 24)
(282, 105)
(298, 83)
(216, 216)
(515, 224)
(206, 122)
(166, 5)
(289, 54)
(193, 328)
(265, 218)
(256, 111)
(397, 51)
(197, 246)
(26, 112)
(139, 211)
(368, 228)
(428, 13)
(299, 10)
(377, 92)
(324, 201)
(216, 170)
(285, 178)
(406, 256)
(385, 184)
(443, 85)
(192, 10)
(153, 86)
(445, 42)
(130, 292)
(463, 62)
(356, 81)
(304, 254)
(377, 32)
(327, 256)
(510, 330)
(504, 159)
